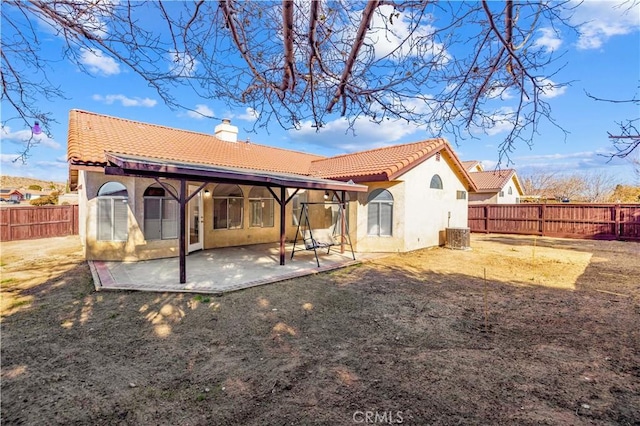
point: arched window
(261, 206)
(510, 191)
(436, 182)
(227, 206)
(380, 213)
(160, 214)
(113, 223)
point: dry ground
(550, 337)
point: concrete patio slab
(218, 271)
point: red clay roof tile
(492, 180)
(377, 164)
(91, 135)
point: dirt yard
(551, 336)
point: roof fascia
(471, 186)
(135, 167)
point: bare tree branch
(455, 68)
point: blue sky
(603, 58)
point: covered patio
(130, 275)
(218, 271)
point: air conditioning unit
(458, 238)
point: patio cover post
(183, 230)
(283, 205)
(343, 223)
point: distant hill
(24, 182)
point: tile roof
(470, 165)
(380, 164)
(493, 180)
(91, 135)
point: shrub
(51, 199)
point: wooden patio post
(282, 222)
(343, 223)
(183, 230)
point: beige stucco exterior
(420, 215)
(137, 247)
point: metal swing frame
(311, 243)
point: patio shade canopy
(124, 164)
(131, 165)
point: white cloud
(336, 134)
(584, 154)
(8, 158)
(23, 136)
(598, 21)
(549, 40)
(501, 121)
(182, 64)
(201, 111)
(97, 63)
(250, 114)
(489, 164)
(89, 15)
(125, 100)
(386, 37)
(551, 89)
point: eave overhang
(130, 165)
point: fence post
(9, 236)
(617, 221)
(542, 217)
(486, 219)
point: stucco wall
(381, 244)
(429, 211)
(420, 214)
(483, 198)
(509, 199)
(138, 248)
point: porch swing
(322, 238)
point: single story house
(493, 187)
(11, 194)
(148, 191)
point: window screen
(380, 213)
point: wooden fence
(25, 223)
(589, 221)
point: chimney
(226, 132)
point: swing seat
(319, 238)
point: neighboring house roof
(91, 135)
(9, 191)
(472, 166)
(388, 163)
(495, 181)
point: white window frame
(229, 199)
(165, 234)
(372, 203)
(257, 207)
(117, 218)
